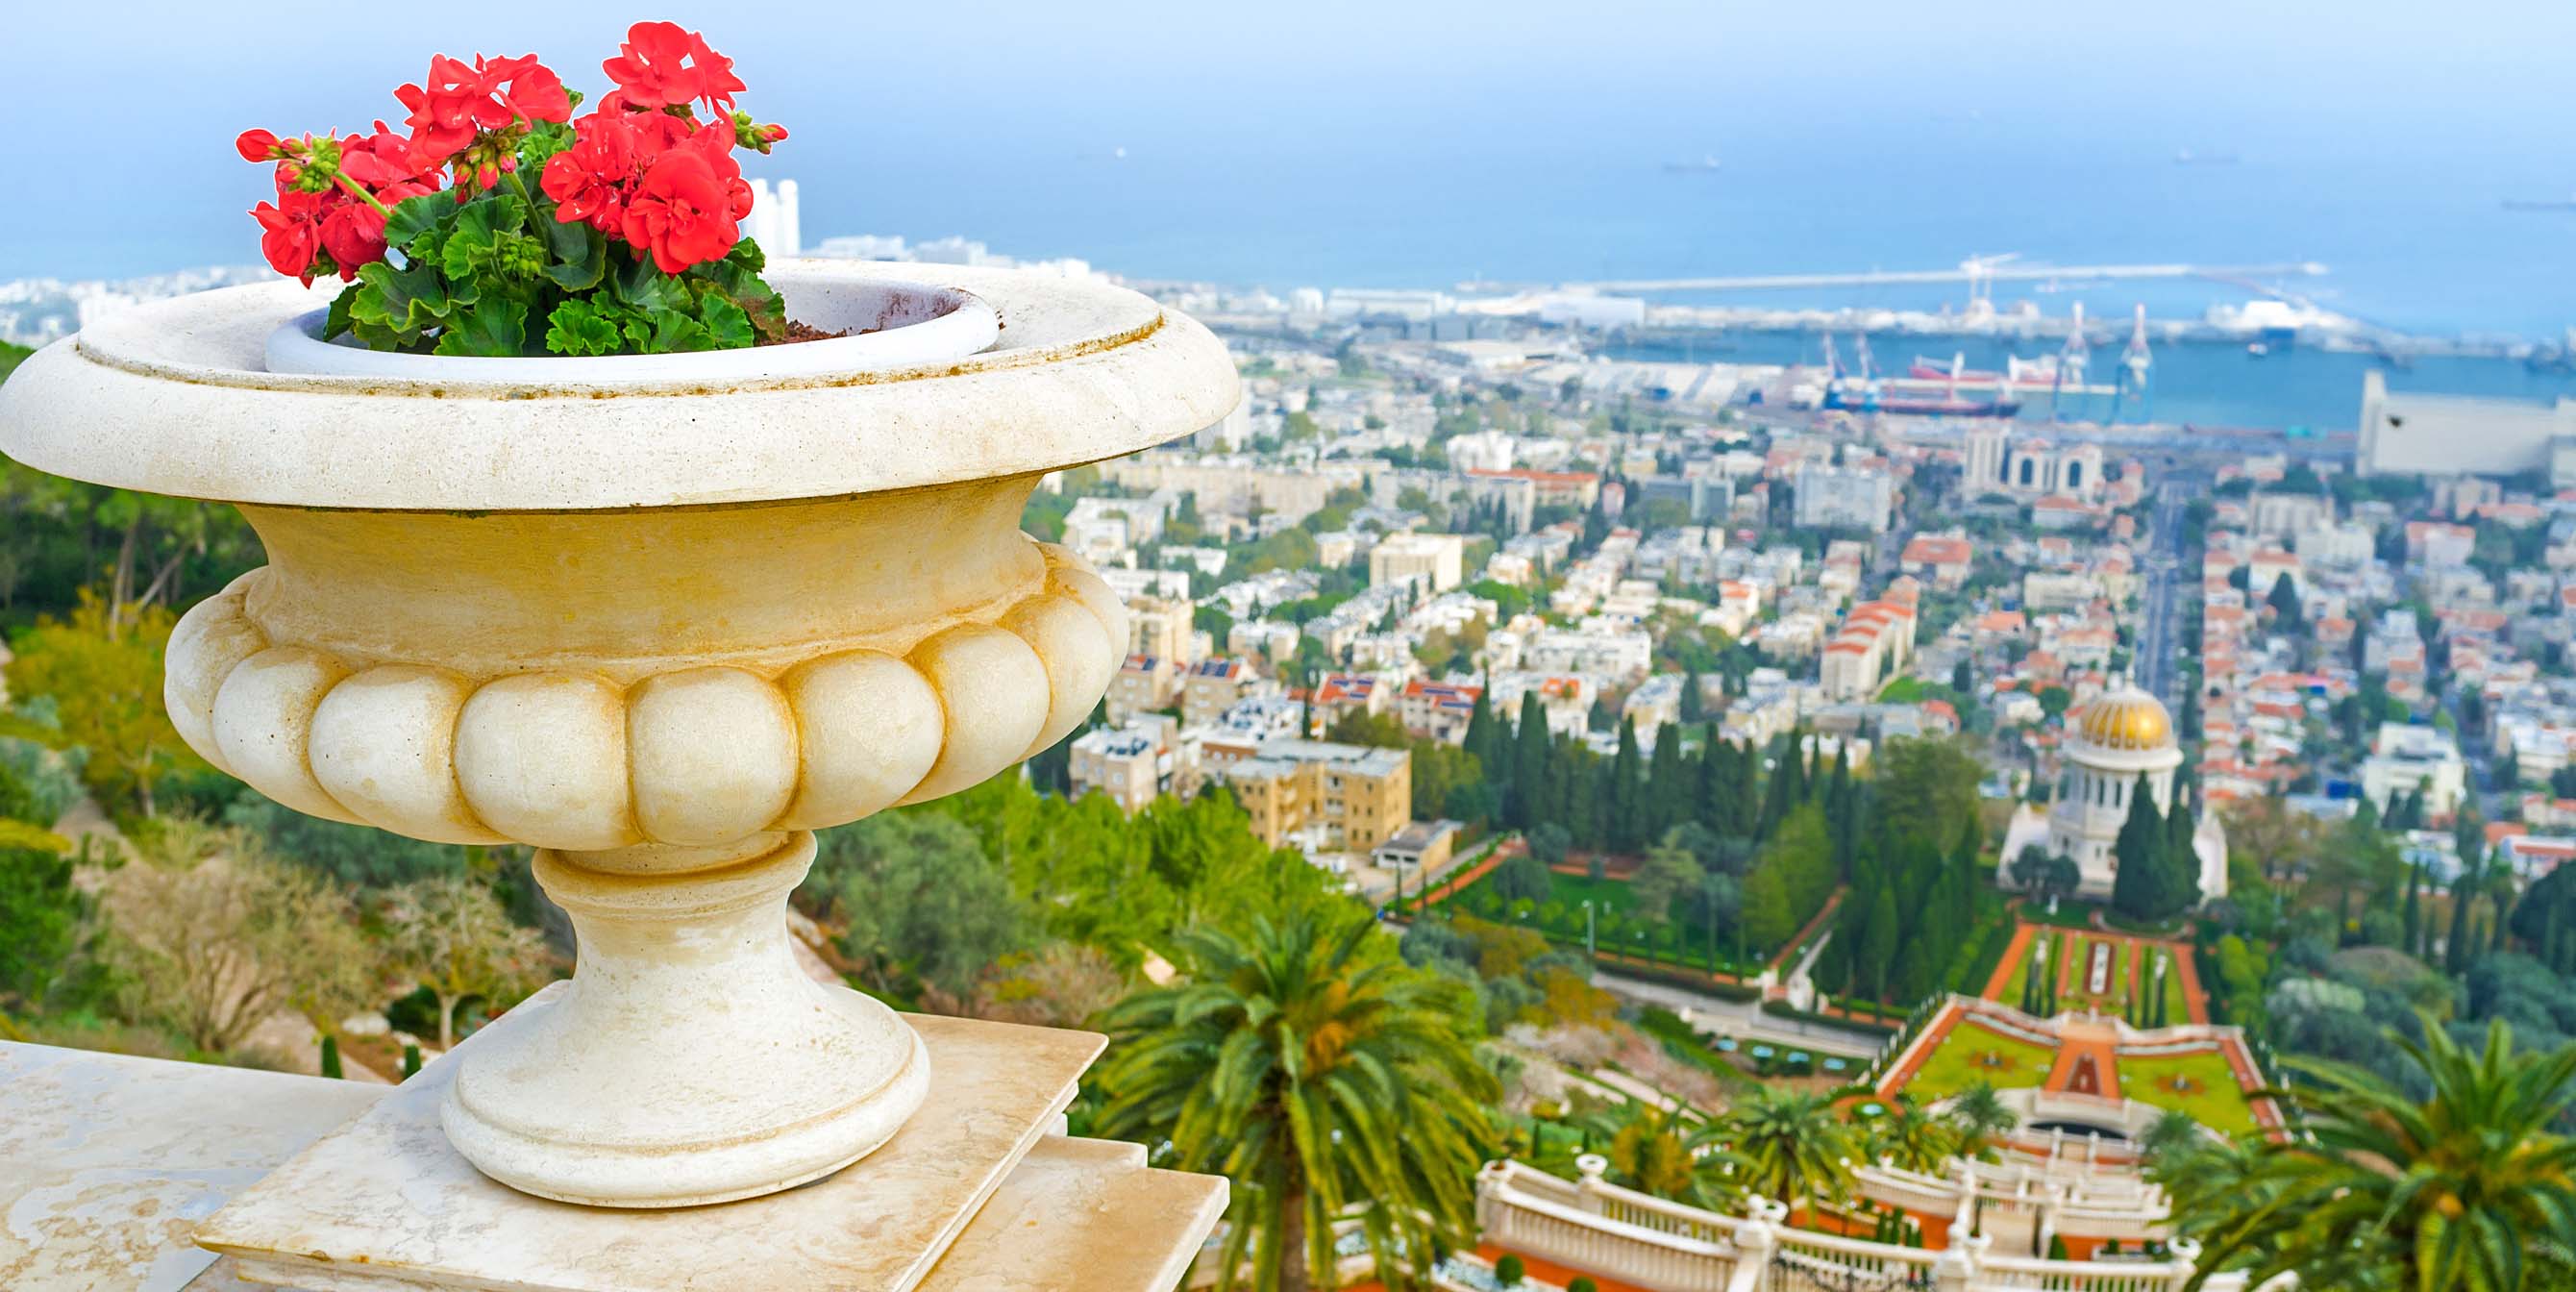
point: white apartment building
(1844, 498)
(1435, 560)
(2404, 758)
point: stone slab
(1087, 1214)
(1075, 1213)
(385, 1204)
(107, 1162)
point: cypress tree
(1528, 761)
(1878, 944)
(1626, 823)
(2139, 853)
(1483, 739)
(2455, 949)
(1667, 782)
(2412, 916)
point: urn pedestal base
(979, 1191)
(690, 1061)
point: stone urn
(660, 620)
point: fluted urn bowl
(660, 625)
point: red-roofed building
(1945, 559)
(1437, 710)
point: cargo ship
(1866, 392)
(2041, 372)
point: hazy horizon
(1426, 143)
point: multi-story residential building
(1844, 498)
(1144, 684)
(1875, 643)
(1944, 560)
(1437, 710)
(1655, 702)
(1599, 648)
(1324, 797)
(1107, 530)
(1132, 764)
(2287, 515)
(2345, 545)
(1159, 628)
(2405, 758)
(1435, 561)
(1565, 702)
(1212, 686)
(1341, 694)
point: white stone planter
(660, 625)
(897, 325)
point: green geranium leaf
(580, 256)
(674, 331)
(725, 322)
(414, 216)
(581, 327)
(641, 285)
(544, 140)
(747, 255)
(394, 305)
(743, 285)
(492, 327)
(487, 241)
(337, 320)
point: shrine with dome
(2110, 742)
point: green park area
(2129, 961)
(2199, 1084)
(1974, 1053)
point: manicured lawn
(2211, 1096)
(1973, 1052)
(1605, 894)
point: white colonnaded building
(2115, 738)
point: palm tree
(1982, 1119)
(2470, 1189)
(1305, 1061)
(1913, 1138)
(1787, 1146)
(1656, 1151)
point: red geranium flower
(682, 212)
(663, 65)
(290, 231)
(257, 146)
(590, 180)
(455, 102)
(384, 158)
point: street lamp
(1588, 952)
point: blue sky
(1000, 120)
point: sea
(2443, 257)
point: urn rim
(174, 397)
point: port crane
(2072, 360)
(2135, 360)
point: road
(1741, 1018)
(2160, 613)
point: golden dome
(2127, 719)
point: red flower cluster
(472, 118)
(644, 169)
(332, 198)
